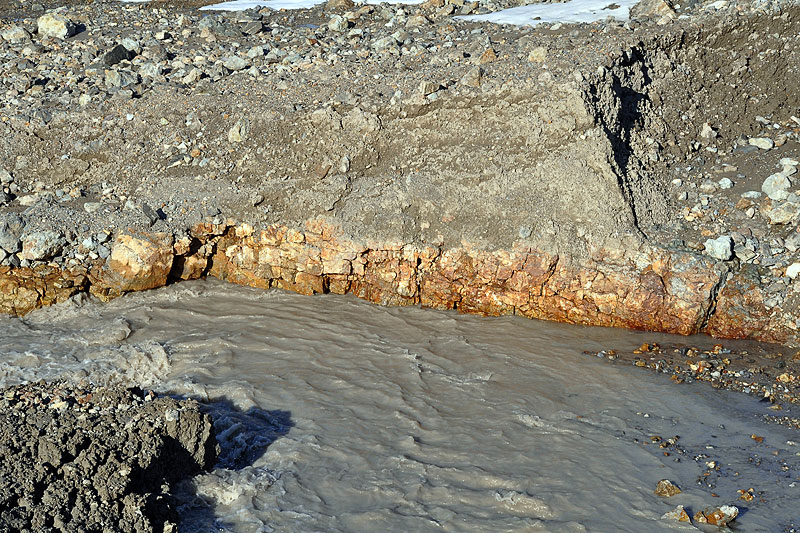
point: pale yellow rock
(139, 262)
(56, 25)
(537, 55)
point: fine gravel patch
(90, 458)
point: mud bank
(96, 458)
(515, 171)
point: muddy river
(336, 415)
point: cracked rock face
(92, 459)
(649, 288)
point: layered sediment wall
(543, 187)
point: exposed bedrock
(641, 287)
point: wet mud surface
(95, 459)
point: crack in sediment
(712, 298)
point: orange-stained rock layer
(652, 289)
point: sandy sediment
(513, 171)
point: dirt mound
(96, 458)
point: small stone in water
(665, 488)
(721, 516)
(679, 514)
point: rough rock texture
(25, 289)
(139, 261)
(639, 287)
(95, 458)
(56, 25)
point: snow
(573, 11)
(240, 5)
(530, 15)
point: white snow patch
(530, 15)
(240, 5)
(573, 11)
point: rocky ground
(90, 458)
(768, 373)
(636, 174)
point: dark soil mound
(96, 458)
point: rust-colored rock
(654, 289)
(25, 289)
(646, 288)
(679, 514)
(741, 312)
(720, 516)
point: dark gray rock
(117, 54)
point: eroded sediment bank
(543, 186)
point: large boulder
(139, 261)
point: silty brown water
(335, 415)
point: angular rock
(721, 516)
(235, 63)
(56, 25)
(384, 43)
(428, 87)
(120, 78)
(117, 54)
(776, 187)
(473, 77)
(138, 261)
(720, 248)
(652, 8)
(42, 245)
(679, 514)
(132, 45)
(488, 56)
(538, 55)
(9, 239)
(416, 21)
(256, 51)
(665, 488)
(707, 132)
(338, 23)
(784, 212)
(239, 131)
(254, 27)
(792, 242)
(15, 34)
(150, 70)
